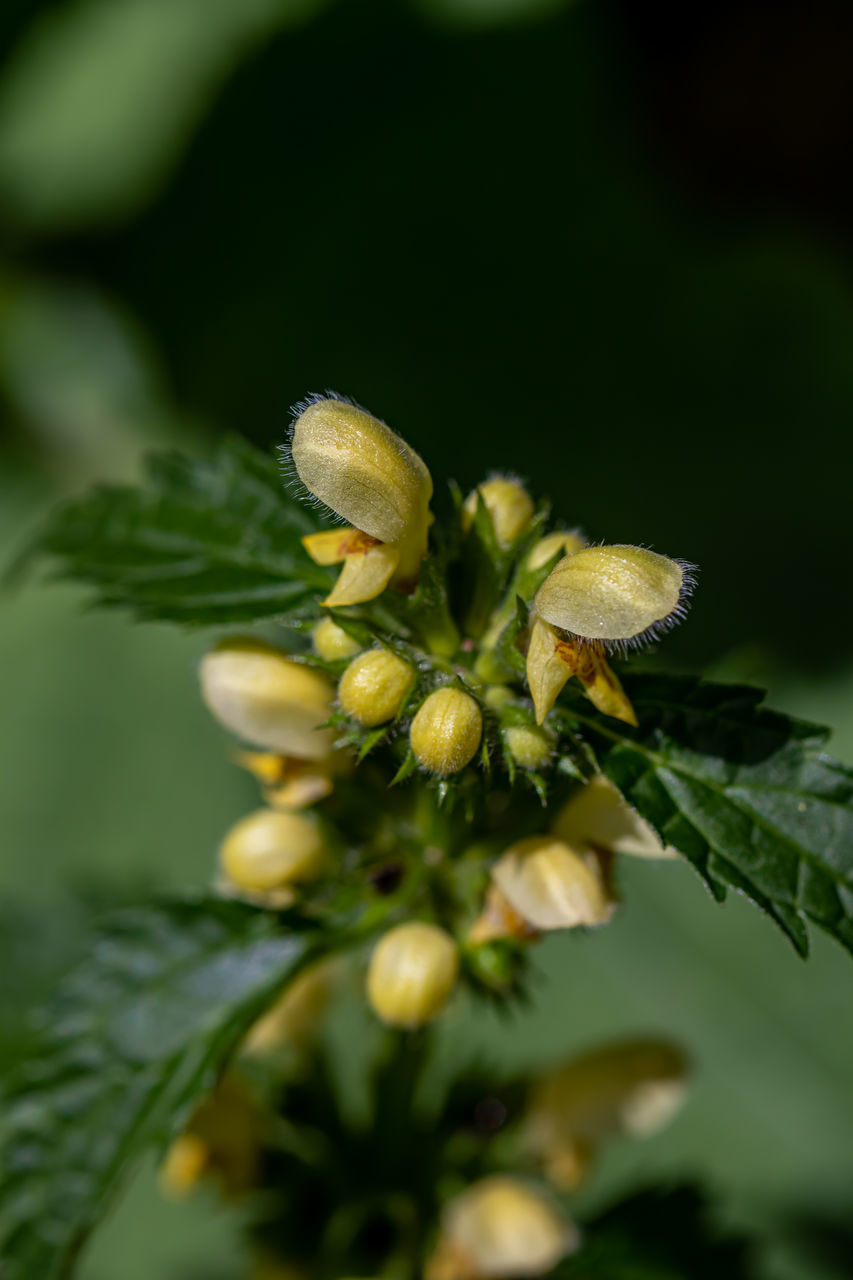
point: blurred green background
(605, 245)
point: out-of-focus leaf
(199, 542)
(80, 378)
(133, 1039)
(100, 98)
(658, 1235)
(746, 794)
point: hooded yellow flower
(357, 467)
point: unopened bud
(618, 595)
(220, 1141)
(374, 686)
(332, 643)
(507, 502)
(501, 1227)
(529, 746)
(271, 849)
(566, 541)
(266, 699)
(446, 731)
(596, 815)
(551, 886)
(631, 1088)
(412, 972)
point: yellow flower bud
(630, 1088)
(361, 470)
(567, 541)
(530, 747)
(507, 502)
(596, 815)
(502, 1227)
(412, 972)
(332, 643)
(618, 595)
(184, 1165)
(551, 886)
(446, 731)
(272, 848)
(295, 1015)
(262, 696)
(221, 1140)
(374, 686)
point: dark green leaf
(746, 794)
(133, 1039)
(658, 1235)
(199, 542)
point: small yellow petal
(334, 545)
(603, 688)
(183, 1165)
(550, 663)
(365, 575)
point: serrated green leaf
(746, 794)
(199, 542)
(134, 1038)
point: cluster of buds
(454, 684)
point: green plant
(451, 765)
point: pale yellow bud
(295, 1015)
(446, 731)
(374, 686)
(265, 698)
(545, 550)
(507, 502)
(617, 594)
(332, 643)
(184, 1165)
(598, 816)
(530, 747)
(272, 848)
(551, 886)
(412, 972)
(502, 1227)
(632, 1088)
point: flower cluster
(419, 785)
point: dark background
(603, 244)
